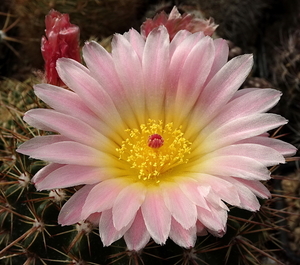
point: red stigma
(155, 141)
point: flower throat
(154, 149)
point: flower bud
(61, 40)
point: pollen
(154, 149)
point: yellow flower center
(154, 149)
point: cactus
(29, 233)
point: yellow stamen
(154, 149)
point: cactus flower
(61, 40)
(175, 22)
(158, 135)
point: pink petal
(183, 42)
(193, 75)
(40, 141)
(212, 198)
(89, 90)
(235, 191)
(137, 235)
(127, 204)
(263, 154)
(71, 175)
(248, 200)
(67, 102)
(282, 147)
(190, 189)
(244, 91)
(180, 48)
(242, 128)
(156, 216)
(94, 219)
(215, 219)
(222, 188)
(220, 57)
(102, 68)
(68, 126)
(236, 166)
(198, 62)
(70, 213)
(108, 233)
(43, 173)
(66, 152)
(37, 125)
(183, 237)
(180, 37)
(155, 62)
(255, 101)
(261, 99)
(180, 207)
(256, 187)
(102, 196)
(129, 69)
(223, 85)
(136, 41)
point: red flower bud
(61, 40)
(175, 22)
